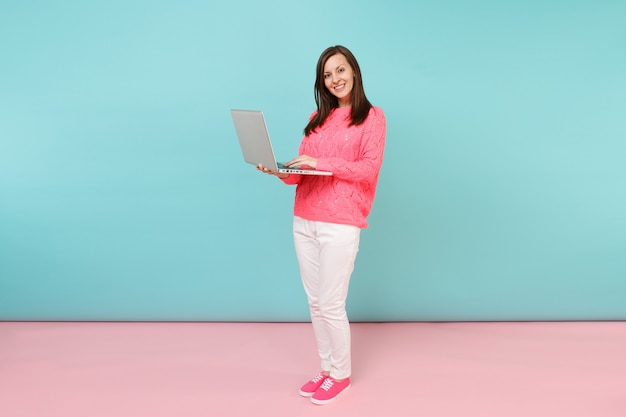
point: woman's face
(339, 78)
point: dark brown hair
(326, 102)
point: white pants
(326, 254)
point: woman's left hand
(302, 160)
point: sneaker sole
(322, 402)
(306, 394)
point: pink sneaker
(310, 387)
(329, 390)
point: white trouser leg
(326, 254)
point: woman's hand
(304, 161)
(280, 175)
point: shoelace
(317, 378)
(326, 385)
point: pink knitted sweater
(354, 155)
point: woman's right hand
(280, 175)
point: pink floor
(239, 369)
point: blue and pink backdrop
(123, 194)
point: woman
(346, 136)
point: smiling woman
(338, 84)
(330, 212)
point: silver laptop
(256, 146)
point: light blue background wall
(123, 194)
